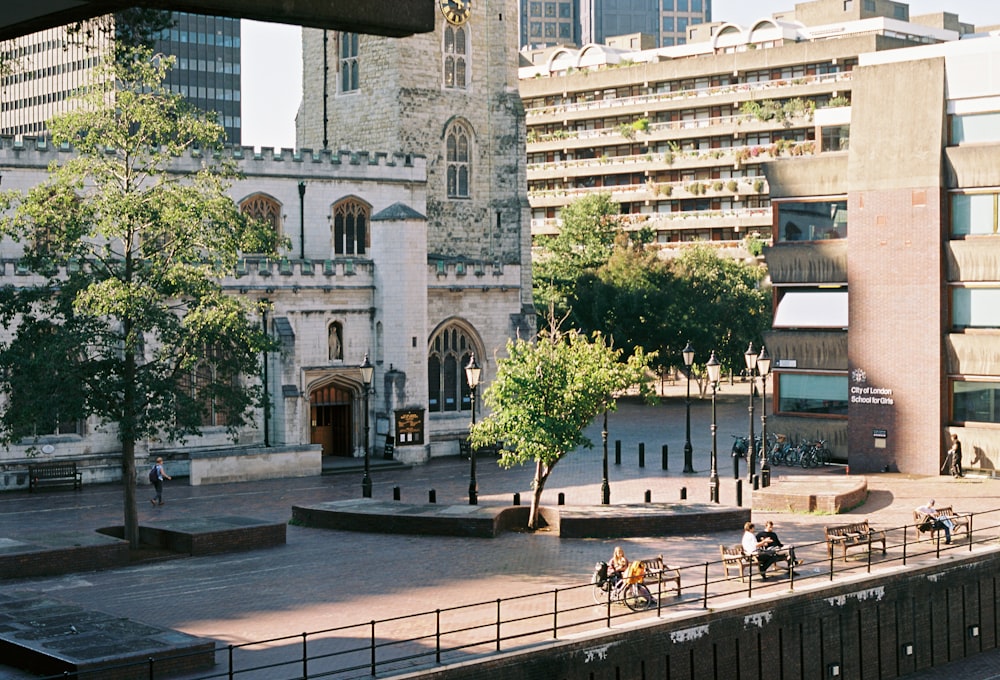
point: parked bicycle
(814, 454)
(741, 445)
(627, 590)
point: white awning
(812, 309)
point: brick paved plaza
(323, 578)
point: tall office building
(545, 23)
(49, 66)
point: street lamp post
(605, 486)
(764, 368)
(688, 354)
(367, 371)
(751, 358)
(472, 374)
(714, 369)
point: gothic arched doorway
(331, 422)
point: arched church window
(456, 58)
(348, 63)
(264, 208)
(350, 227)
(458, 141)
(450, 350)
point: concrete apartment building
(546, 23)
(784, 129)
(52, 65)
(678, 135)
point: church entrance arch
(331, 414)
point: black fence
(387, 647)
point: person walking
(156, 476)
(956, 456)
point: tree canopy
(124, 317)
(545, 394)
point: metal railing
(403, 644)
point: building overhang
(393, 18)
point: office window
(535, 9)
(682, 24)
(697, 6)
(973, 214)
(975, 401)
(811, 220)
(975, 127)
(349, 76)
(835, 138)
(975, 308)
(536, 29)
(668, 5)
(668, 24)
(815, 394)
(565, 31)
(565, 10)
(869, 5)
(550, 10)
(810, 309)
(682, 5)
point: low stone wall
(834, 495)
(243, 465)
(60, 553)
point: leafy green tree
(721, 306)
(546, 393)
(585, 241)
(126, 256)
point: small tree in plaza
(123, 317)
(545, 394)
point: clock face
(456, 11)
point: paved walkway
(322, 579)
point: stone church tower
(450, 97)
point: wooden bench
(54, 473)
(855, 535)
(658, 572)
(959, 521)
(733, 557)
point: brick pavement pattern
(324, 578)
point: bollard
(618, 452)
(736, 467)
(395, 493)
(684, 493)
(562, 498)
(756, 482)
(649, 496)
(432, 496)
(739, 493)
(642, 454)
(663, 464)
(517, 498)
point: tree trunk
(128, 480)
(541, 474)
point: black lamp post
(688, 354)
(472, 373)
(714, 369)
(367, 371)
(751, 358)
(605, 486)
(764, 368)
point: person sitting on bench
(771, 541)
(938, 521)
(751, 546)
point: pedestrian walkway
(325, 578)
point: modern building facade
(678, 135)
(886, 340)
(52, 66)
(546, 23)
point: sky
(272, 60)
